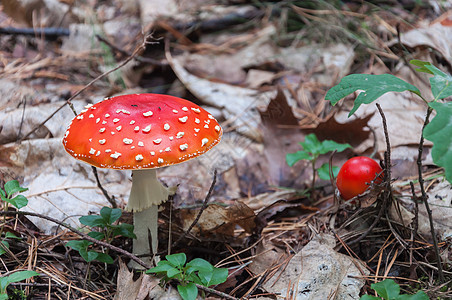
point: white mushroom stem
(146, 195)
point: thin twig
(204, 205)
(424, 197)
(81, 234)
(99, 185)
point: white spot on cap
(123, 111)
(183, 147)
(211, 117)
(197, 121)
(139, 157)
(88, 105)
(147, 129)
(127, 141)
(83, 111)
(180, 134)
(80, 117)
(141, 144)
(184, 108)
(91, 116)
(183, 119)
(175, 111)
(133, 147)
(217, 128)
(167, 149)
(66, 134)
(107, 115)
(196, 110)
(102, 141)
(108, 151)
(112, 133)
(166, 126)
(92, 151)
(119, 128)
(197, 129)
(206, 126)
(116, 120)
(171, 138)
(152, 153)
(104, 122)
(204, 141)
(132, 122)
(148, 113)
(160, 161)
(137, 128)
(97, 120)
(115, 155)
(157, 141)
(98, 153)
(102, 130)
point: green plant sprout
(389, 290)
(438, 131)
(5, 281)
(312, 149)
(197, 271)
(107, 230)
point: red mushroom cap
(141, 131)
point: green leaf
(2, 194)
(124, 229)
(293, 158)
(311, 144)
(93, 221)
(439, 131)
(418, 296)
(11, 235)
(172, 272)
(188, 292)
(369, 297)
(104, 257)
(177, 260)
(2, 250)
(12, 187)
(110, 215)
(421, 64)
(324, 171)
(373, 87)
(387, 289)
(3, 296)
(96, 235)
(199, 264)
(21, 275)
(218, 275)
(441, 83)
(162, 266)
(19, 201)
(328, 146)
(78, 245)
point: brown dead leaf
(127, 287)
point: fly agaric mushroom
(142, 132)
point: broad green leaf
(324, 172)
(418, 296)
(219, 275)
(89, 255)
(2, 248)
(441, 83)
(4, 296)
(2, 194)
(93, 221)
(439, 131)
(293, 158)
(328, 146)
(3, 283)
(173, 272)
(193, 277)
(21, 275)
(162, 266)
(19, 201)
(312, 144)
(199, 264)
(110, 215)
(369, 297)
(421, 66)
(11, 235)
(372, 87)
(12, 187)
(386, 289)
(124, 229)
(104, 257)
(177, 260)
(188, 292)
(96, 235)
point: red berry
(355, 176)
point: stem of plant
(313, 175)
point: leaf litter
(267, 86)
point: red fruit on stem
(355, 176)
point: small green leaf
(418, 296)
(311, 144)
(199, 264)
(293, 158)
(441, 83)
(328, 146)
(177, 260)
(188, 292)
(124, 229)
(421, 66)
(162, 266)
(78, 245)
(11, 235)
(4, 296)
(387, 289)
(21, 275)
(439, 131)
(89, 255)
(218, 275)
(110, 215)
(12, 187)
(96, 235)
(324, 171)
(2, 194)
(93, 221)
(373, 87)
(19, 201)
(369, 297)
(104, 257)
(172, 272)
(2, 249)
